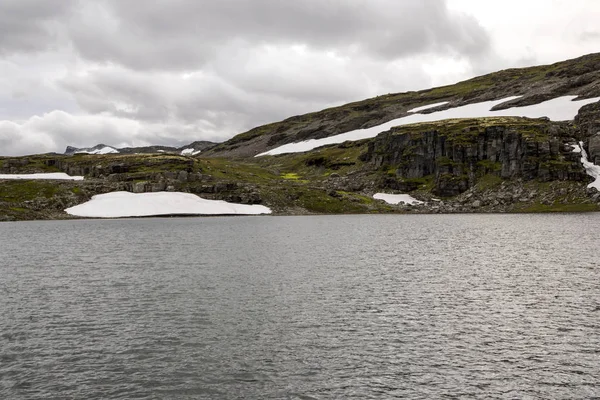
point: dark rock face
(593, 148)
(456, 159)
(588, 122)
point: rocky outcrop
(515, 195)
(455, 153)
(587, 122)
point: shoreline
(68, 217)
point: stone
(182, 176)
(593, 148)
(139, 187)
(159, 186)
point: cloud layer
(170, 72)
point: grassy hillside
(500, 164)
(580, 76)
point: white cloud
(536, 31)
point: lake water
(324, 307)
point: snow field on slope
(190, 152)
(427, 107)
(55, 176)
(104, 150)
(558, 109)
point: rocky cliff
(454, 153)
(587, 124)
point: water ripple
(365, 307)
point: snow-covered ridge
(190, 152)
(558, 109)
(592, 170)
(397, 198)
(191, 149)
(125, 204)
(54, 176)
(97, 150)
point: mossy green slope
(580, 76)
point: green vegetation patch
(318, 201)
(319, 164)
(424, 184)
(31, 164)
(487, 182)
(290, 176)
(489, 165)
(16, 191)
(466, 130)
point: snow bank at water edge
(592, 170)
(427, 107)
(125, 204)
(559, 109)
(397, 198)
(56, 176)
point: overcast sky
(137, 72)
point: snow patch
(427, 107)
(397, 198)
(125, 204)
(190, 152)
(55, 176)
(592, 170)
(558, 109)
(103, 150)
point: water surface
(325, 307)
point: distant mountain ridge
(98, 149)
(193, 148)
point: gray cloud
(31, 25)
(173, 71)
(187, 34)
